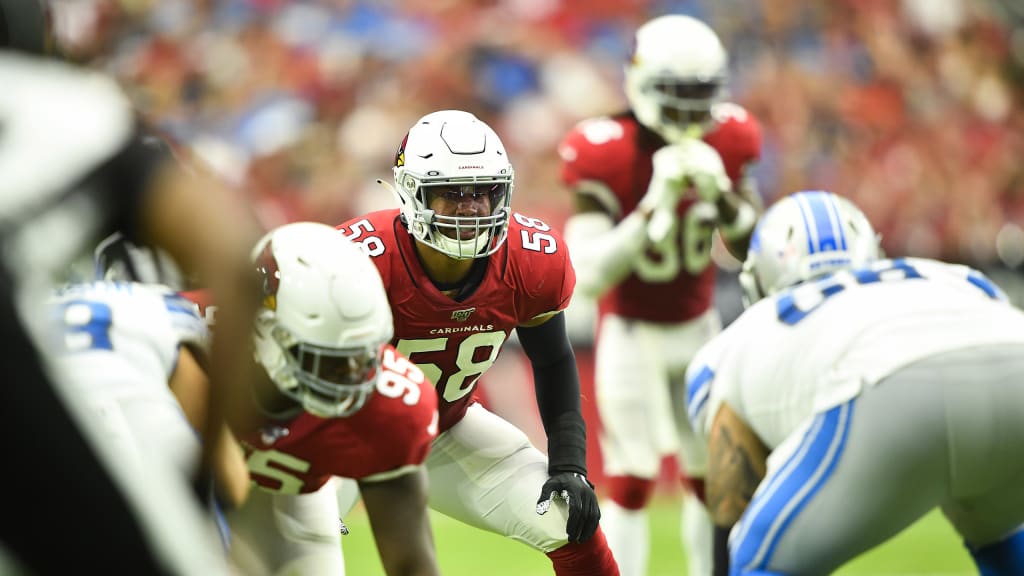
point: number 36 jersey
(388, 436)
(609, 159)
(454, 342)
(818, 344)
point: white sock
(627, 535)
(697, 533)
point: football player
(135, 354)
(463, 272)
(74, 168)
(337, 400)
(651, 186)
(854, 395)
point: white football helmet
(802, 236)
(677, 72)
(453, 153)
(324, 320)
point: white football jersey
(125, 332)
(816, 345)
(117, 344)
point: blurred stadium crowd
(912, 108)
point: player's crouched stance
(462, 272)
(338, 400)
(133, 353)
(856, 395)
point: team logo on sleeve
(462, 315)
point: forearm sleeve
(603, 252)
(557, 387)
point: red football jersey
(454, 342)
(611, 157)
(393, 430)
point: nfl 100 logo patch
(462, 315)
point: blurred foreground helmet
(454, 153)
(677, 72)
(324, 320)
(802, 236)
(116, 259)
(24, 26)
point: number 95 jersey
(387, 437)
(454, 342)
(609, 160)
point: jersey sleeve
(700, 376)
(711, 379)
(541, 268)
(375, 233)
(964, 278)
(203, 300)
(581, 158)
(592, 153)
(187, 321)
(737, 138)
(407, 432)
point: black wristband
(567, 445)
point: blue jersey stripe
(697, 392)
(180, 305)
(985, 285)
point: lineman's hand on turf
(579, 496)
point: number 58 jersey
(455, 341)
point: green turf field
(929, 547)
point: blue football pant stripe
(799, 480)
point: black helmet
(24, 26)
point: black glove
(579, 496)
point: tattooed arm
(736, 465)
